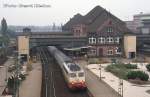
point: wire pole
(122, 86)
(6, 74)
(18, 63)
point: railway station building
(96, 34)
(106, 34)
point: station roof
(95, 18)
(76, 48)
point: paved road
(98, 88)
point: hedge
(130, 66)
(148, 67)
(138, 75)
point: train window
(81, 74)
(72, 75)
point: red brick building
(104, 31)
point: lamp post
(100, 72)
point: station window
(101, 40)
(110, 40)
(110, 52)
(117, 40)
(93, 52)
(118, 50)
(92, 40)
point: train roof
(66, 58)
(72, 67)
(61, 54)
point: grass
(120, 70)
(96, 61)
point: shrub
(130, 66)
(118, 70)
(138, 75)
(148, 67)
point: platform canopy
(77, 48)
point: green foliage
(113, 60)
(4, 27)
(148, 67)
(120, 70)
(130, 66)
(138, 75)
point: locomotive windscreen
(74, 67)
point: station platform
(99, 88)
(31, 87)
(96, 87)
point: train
(74, 75)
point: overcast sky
(62, 10)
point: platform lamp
(86, 56)
(100, 72)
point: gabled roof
(95, 18)
(92, 15)
(73, 21)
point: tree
(4, 27)
(54, 27)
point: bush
(118, 70)
(148, 67)
(138, 75)
(130, 66)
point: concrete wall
(23, 45)
(129, 45)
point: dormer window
(117, 40)
(110, 40)
(101, 40)
(109, 29)
(92, 40)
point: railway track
(53, 83)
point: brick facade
(105, 51)
(104, 32)
(79, 30)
